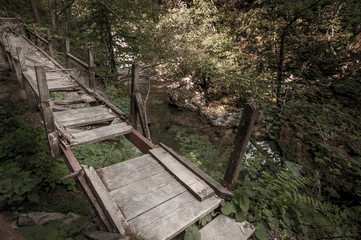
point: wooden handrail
(37, 36)
(78, 61)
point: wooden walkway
(157, 195)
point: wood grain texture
(84, 116)
(99, 134)
(217, 187)
(141, 196)
(109, 206)
(124, 173)
(193, 183)
(225, 228)
(172, 217)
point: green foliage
(26, 166)
(192, 233)
(103, 154)
(55, 231)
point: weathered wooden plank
(194, 184)
(225, 228)
(217, 187)
(172, 217)
(85, 98)
(62, 85)
(138, 140)
(8, 233)
(84, 116)
(124, 173)
(78, 61)
(99, 134)
(109, 206)
(141, 196)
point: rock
(99, 235)
(68, 219)
(38, 218)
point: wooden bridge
(156, 195)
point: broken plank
(100, 134)
(62, 85)
(84, 116)
(217, 187)
(172, 217)
(141, 196)
(193, 183)
(109, 206)
(124, 173)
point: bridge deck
(154, 195)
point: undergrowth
(26, 166)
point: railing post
(29, 93)
(47, 112)
(50, 44)
(134, 91)
(240, 145)
(67, 51)
(36, 33)
(91, 68)
(8, 51)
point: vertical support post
(134, 91)
(36, 38)
(6, 41)
(142, 118)
(67, 51)
(240, 145)
(47, 112)
(50, 44)
(91, 68)
(29, 93)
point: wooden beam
(47, 113)
(138, 140)
(189, 180)
(240, 145)
(134, 90)
(74, 166)
(109, 206)
(91, 68)
(8, 233)
(217, 187)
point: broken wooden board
(109, 206)
(193, 183)
(84, 116)
(173, 216)
(124, 173)
(99, 134)
(62, 85)
(225, 228)
(217, 187)
(141, 196)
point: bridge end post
(47, 112)
(91, 68)
(243, 135)
(67, 51)
(29, 93)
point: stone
(68, 219)
(38, 218)
(99, 235)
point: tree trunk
(35, 11)
(67, 17)
(52, 14)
